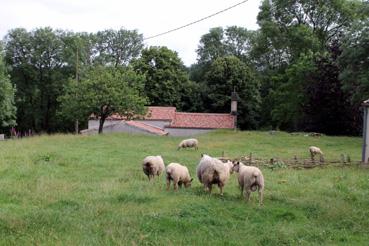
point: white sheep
(153, 165)
(250, 179)
(213, 171)
(189, 143)
(315, 151)
(179, 174)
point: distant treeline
(305, 69)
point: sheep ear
(202, 154)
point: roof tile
(146, 127)
(203, 120)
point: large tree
(37, 70)
(166, 80)
(220, 42)
(7, 90)
(103, 91)
(225, 75)
(289, 32)
(354, 62)
(117, 47)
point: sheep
(179, 175)
(153, 165)
(189, 143)
(213, 171)
(250, 178)
(314, 151)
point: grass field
(90, 190)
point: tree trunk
(101, 125)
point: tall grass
(90, 190)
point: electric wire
(197, 21)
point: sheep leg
(168, 183)
(221, 189)
(247, 194)
(261, 194)
(210, 187)
(175, 186)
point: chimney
(234, 101)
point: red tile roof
(202, 120)
(185, 120)
(147, 128)
(153, 113)
(160, 113)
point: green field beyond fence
(90, 190)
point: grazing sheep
(153, 165)
(179, 175)
(189, 143)
(249, 179)
(314, 151)
(213, 171)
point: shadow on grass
(134, 198)
(200, 192)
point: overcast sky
(148, 17)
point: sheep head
(188, 184)
(236, 166)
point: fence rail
(295, 162)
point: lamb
(314, 151)
(249, 179)
(189, 143)
(153, 165)
(213, 171)
(179, 175)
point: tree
(327, 108)
(7, 91)
(226, 74)
(104, 91)
(354, 62)
(288, 98)
(166, 80)
(37, 70)
(219, 42)
(117, 47)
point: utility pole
(76, 124)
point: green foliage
(90, 190)
(354, 62)
(104, 91)
(7, 91)
(42, 61)
(226, 74)
(37, 71)
(219, 42)
(289, 98)
(327, 108)
(117, 47)
(166, 80)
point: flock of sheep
(211, 171)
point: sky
(148, 17)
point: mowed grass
(90, 190)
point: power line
(197, 21)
